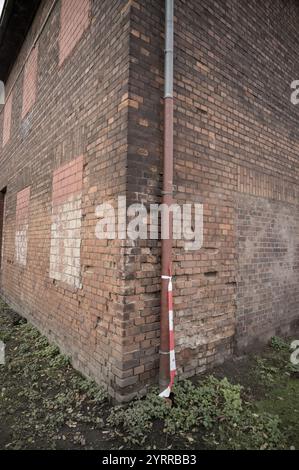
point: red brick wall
(67, 181)
(235, 150)
(22, 206)
(236, 138)
(30, 81)
(77, 128)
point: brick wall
(236, 151)
(268, 253)
(70, 149)
(268, 277)
(236, 146)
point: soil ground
(46, 404)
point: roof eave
(16, 19)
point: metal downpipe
(166, 248)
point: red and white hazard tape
(172, 362)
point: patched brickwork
(66, 223)
(268, 256)
(75, 19)
(263, 185)
(268, 278)
(7, 120)
(30, 82)
(22, 224)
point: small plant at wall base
(279, 344)
(44, 403)
(214, 407)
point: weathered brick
(63, 150)
(97, 132)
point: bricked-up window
(7, 120)
(30, 82)
(74, 20)
(66, 223)
(2, 217)
(22, 224)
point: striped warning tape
(172, 362)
